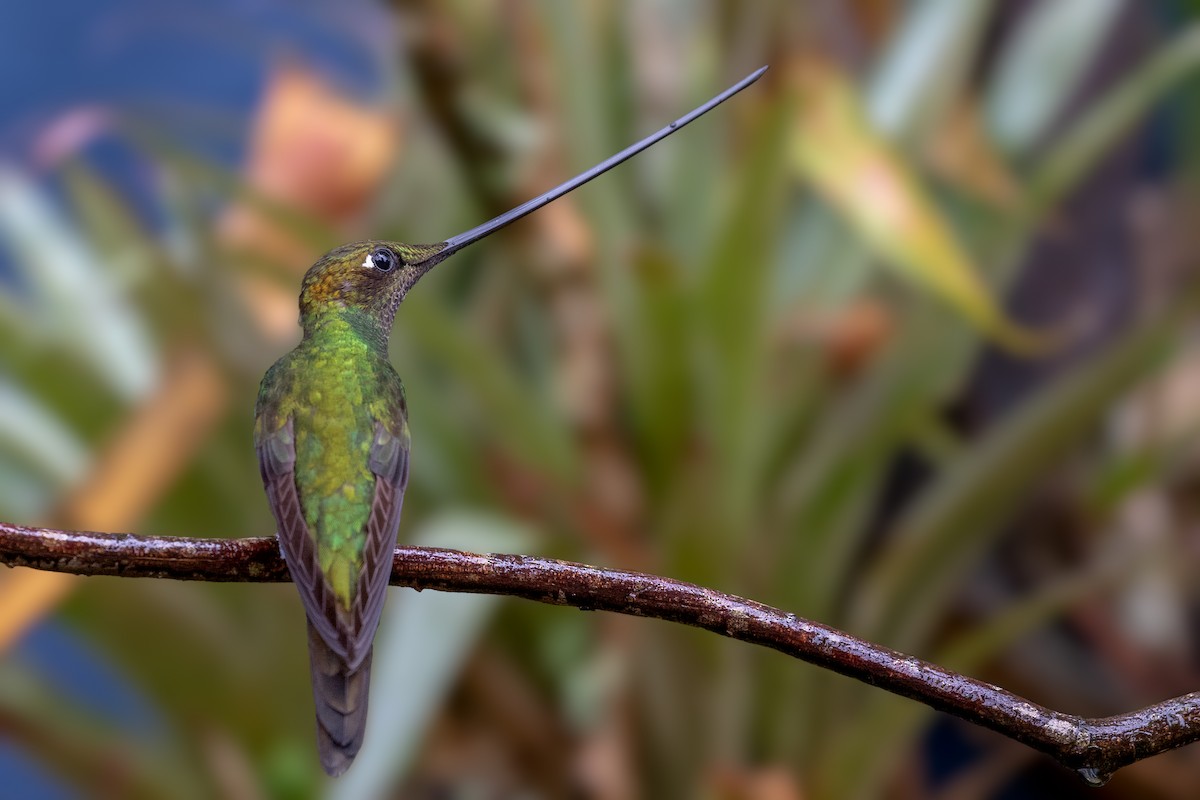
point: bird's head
(370, 277)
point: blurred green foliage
(667, 376)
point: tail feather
(340, 696)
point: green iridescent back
(335, 387)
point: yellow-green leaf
(855, 170)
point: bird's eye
(384, 259)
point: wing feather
(277, 463)
(389, 462)
(348, 632)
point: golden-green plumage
(335, 386)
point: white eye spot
(367, 262)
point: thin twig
(1095, 748)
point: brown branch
(1095, 748)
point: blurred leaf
(55, 392)
(1114, 481)
(825, 499)
(123, 250)
(657, 373)
(23, 497)
(928, 59)
(148, 454)
(826, 494)
(200, 173)
(1041, 67)
(731, 312)
(828, 264)
(420, 649)
(42, 442)
(451, 466)
(960, 152)
(1070, 156)
(962, 511)
(834, 147)
(80, 306)
(518, 417)
(882, 732)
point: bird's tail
(340, 695)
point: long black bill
(456, 243)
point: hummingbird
(332, 437)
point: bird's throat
(343, 325)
